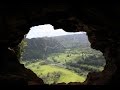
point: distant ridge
(46, 45)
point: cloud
(47, 31)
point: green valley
(55, 62)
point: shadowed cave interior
(100, 24)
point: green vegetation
(55, 62)
(70, 66)
(21, 48)
(54, 74)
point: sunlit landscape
(59, 56)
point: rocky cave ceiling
(100, 21)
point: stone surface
(100, 21)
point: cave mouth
(57, 56)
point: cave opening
(57, 56)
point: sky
(47, 30)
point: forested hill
(41, 47)
(74, 40)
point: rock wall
(100, 21)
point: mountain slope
(40, 48)
(71, 41)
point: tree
(21, 48)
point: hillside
(42, 47)
(73, 41)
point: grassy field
(69, 66)
(62, 57)
(65, 75)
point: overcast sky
(47, 30)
